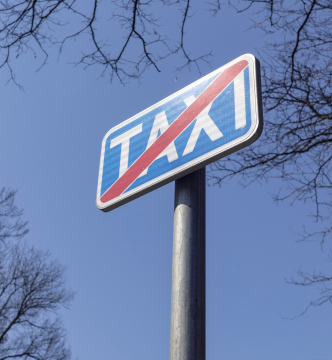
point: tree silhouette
(32, 290)
(36, 25)
(297, 138)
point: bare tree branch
(296, 145)
(11, 224)
(33, 25)
(32, 291)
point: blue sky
(119, 263)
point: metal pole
(188, 270)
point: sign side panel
(247, 129)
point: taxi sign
(205, 121)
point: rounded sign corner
(213, 117)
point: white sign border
(251, 136)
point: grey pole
(188, 270)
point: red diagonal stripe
(174, 130)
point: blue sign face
(208, 119)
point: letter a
(160, 124)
